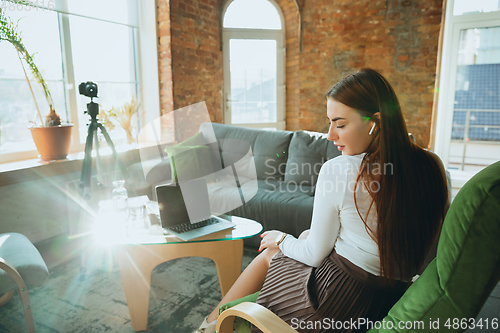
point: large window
(468, 126)
(17, 107)
(76, 41)
(107, 59)
(254, 52)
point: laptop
(185, 210)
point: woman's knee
(304, 234)
(268, 254)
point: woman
(377, 211)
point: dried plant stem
(31, 89)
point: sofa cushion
(159, 170)
(307, 153)
(276, 207)
(269, 148)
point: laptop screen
(184, 202)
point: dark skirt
(337, 296)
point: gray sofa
(286, 164)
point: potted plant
(52, 138)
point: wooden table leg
(136, 279)
(138, 261)
(228, 266)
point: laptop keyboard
(190, 226)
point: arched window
(254, 58)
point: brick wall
(196, 57)
(165, 70)
(292, 37)
(397, 37)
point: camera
(88, 89)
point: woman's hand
(269, 239)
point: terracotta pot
(52, 142)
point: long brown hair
(411, 200)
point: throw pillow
(189, 162)
(307, 153)
(195, 140)
(191, 157)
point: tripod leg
(85, 179)
(98, 163)
(115, 155)
(87, 162)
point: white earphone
(371, 130)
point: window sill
(31, 169)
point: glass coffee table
(138, 255)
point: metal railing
(467, 126)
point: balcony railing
(473, 126)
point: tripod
(93, 111)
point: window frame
(145, 68)
(453, 26)
(257, 34)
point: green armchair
(453, 288)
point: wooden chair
(456, 284)
(20, 264)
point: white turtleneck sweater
(335, 220)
